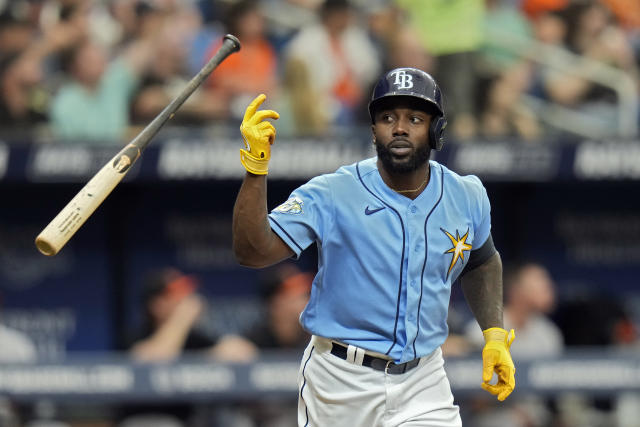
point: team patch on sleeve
(291, 206)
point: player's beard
(410, 163)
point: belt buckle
(386, 367)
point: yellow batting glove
(496, 357)
(258, 136)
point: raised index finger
(253, 107)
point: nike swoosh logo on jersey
(368, 211)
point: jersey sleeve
(305, 216)
(482, 216)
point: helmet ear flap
(436, 132)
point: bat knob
(233, 40)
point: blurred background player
(172, 312)
(529, 301)
(285, 292)
(173, 326)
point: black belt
(377, 363)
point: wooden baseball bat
(79, 209)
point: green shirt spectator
(503, 20)
(98, 112)
(446, 26)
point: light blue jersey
(385, 262)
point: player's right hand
(258, 136)
(496, 357)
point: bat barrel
(58, 232)
(45, 247)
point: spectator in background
(341, 61)
(168, 72)
(172, 309)
(504, 75)
(251, 70)
(550, 28)
(93, 105)
(591, 34)
(286, 17)
(102, 27)
(398, 44)
(529, 298)
(301, 116)
(285, 292)
(24, 91)
(453, 33)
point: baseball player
(393, 233)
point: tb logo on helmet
(403, 80)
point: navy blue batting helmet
(417, 84)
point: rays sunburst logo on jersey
(291, 206)
(459, 246)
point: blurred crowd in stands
(96, 70)
(173, 324)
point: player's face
(401, 132)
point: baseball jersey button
(413, 209)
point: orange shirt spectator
(250, 70)
(253, 69)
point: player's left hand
(496, 357)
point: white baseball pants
(334, 392)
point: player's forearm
(252, 235)
(254, 243)
(482, 288)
